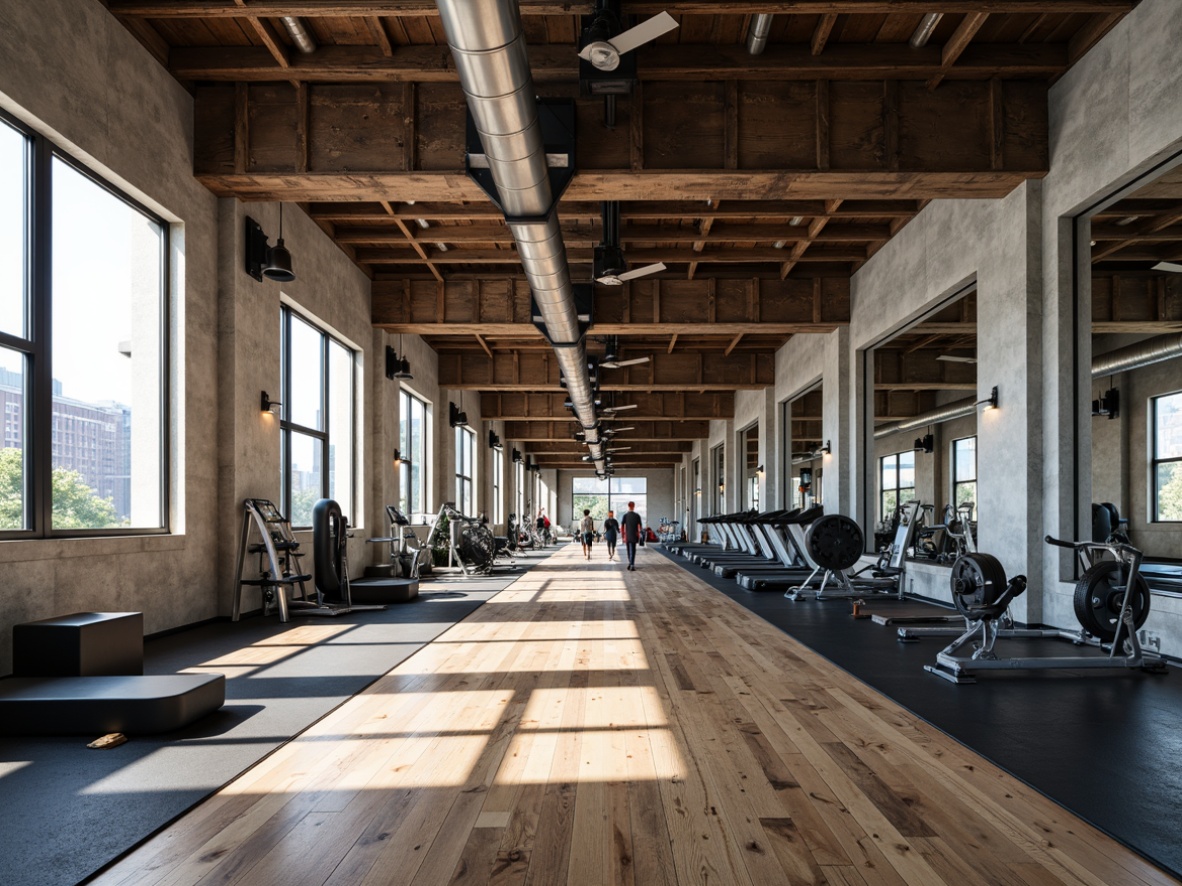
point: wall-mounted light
(398, 459)
(759, 470)
(264, 260)
(494, 442)
(824, 450)
(721, 488)
(395, 367)
(269, 405)
(989, 402)
(926, 443)
(455, 417)
(517, 456)
(1108, 404)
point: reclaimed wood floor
(592, 725)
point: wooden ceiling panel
(762, 182)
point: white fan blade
(640, 272)
(619, 364)
(618, 430)
(649, 29)
(619, 449)
(620, 408)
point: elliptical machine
(1111, 603)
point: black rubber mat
(67, 811)
(1106, 745)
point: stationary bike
(1111, 603)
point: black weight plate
(1098, 600)
(978, 580)
(834, 542)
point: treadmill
(796, 567)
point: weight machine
(1111, 602)
(470, 543)
(834, 543)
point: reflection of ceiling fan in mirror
(610, 267)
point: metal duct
(923, 33)
(490, 55)
(761, 26)
(939, 415)
(299, 34)
(1145, 353)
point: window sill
(24, 549)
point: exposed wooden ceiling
(761, 181)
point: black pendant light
(278, 266)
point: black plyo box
(84, 644)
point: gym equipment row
(1111, 602)
(267, 535)
(471, 545)
(796, 551)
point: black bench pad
(98, 705)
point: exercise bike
(1111, 603)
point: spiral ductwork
(1143, 353)
(947, 412)
(490, 56)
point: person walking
(632, 530)
(611, 531)
(588, 530)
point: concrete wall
(112, 107)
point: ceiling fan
(610, 268)
(603, 41)
(611, 358)
(612, 410)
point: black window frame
(287, 427)
(897, 489)
(956, 484)
(1154, 461)
(465, 489)
(37, 344)
(410, 458)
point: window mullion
(39, 483)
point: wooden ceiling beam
(574, 213)
(369, 143)
(532, 431)
(393, 8)
(656, 406)
(501, 307)
(557, 63)
(664, 372)
(636, 447)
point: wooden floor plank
(591, 725)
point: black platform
(94, 706)
(377, 591)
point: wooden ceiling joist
(397, 8)
(664, 372)
(650, 406)
(652, 307)
(558, 63)
(535, 431)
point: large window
(465, 470)
(720, 477)
(1166, 467)
(413, 446)
(964, 471)
(519, 492)
(612, 494)
(317, 426)
(897, 479)
(83, 273)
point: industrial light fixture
(824, 450)
(989, 402)
(516, 456)
(494, 442)
(926, 443)
(269, 405)
(1108, 404)
(721, 488)
(455, 417)
(759, 469)
(278, 264)
(398, 459)
(395, 367)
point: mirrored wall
(1134, 400)
(806, 445)
(924, 439)
(752, 469)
